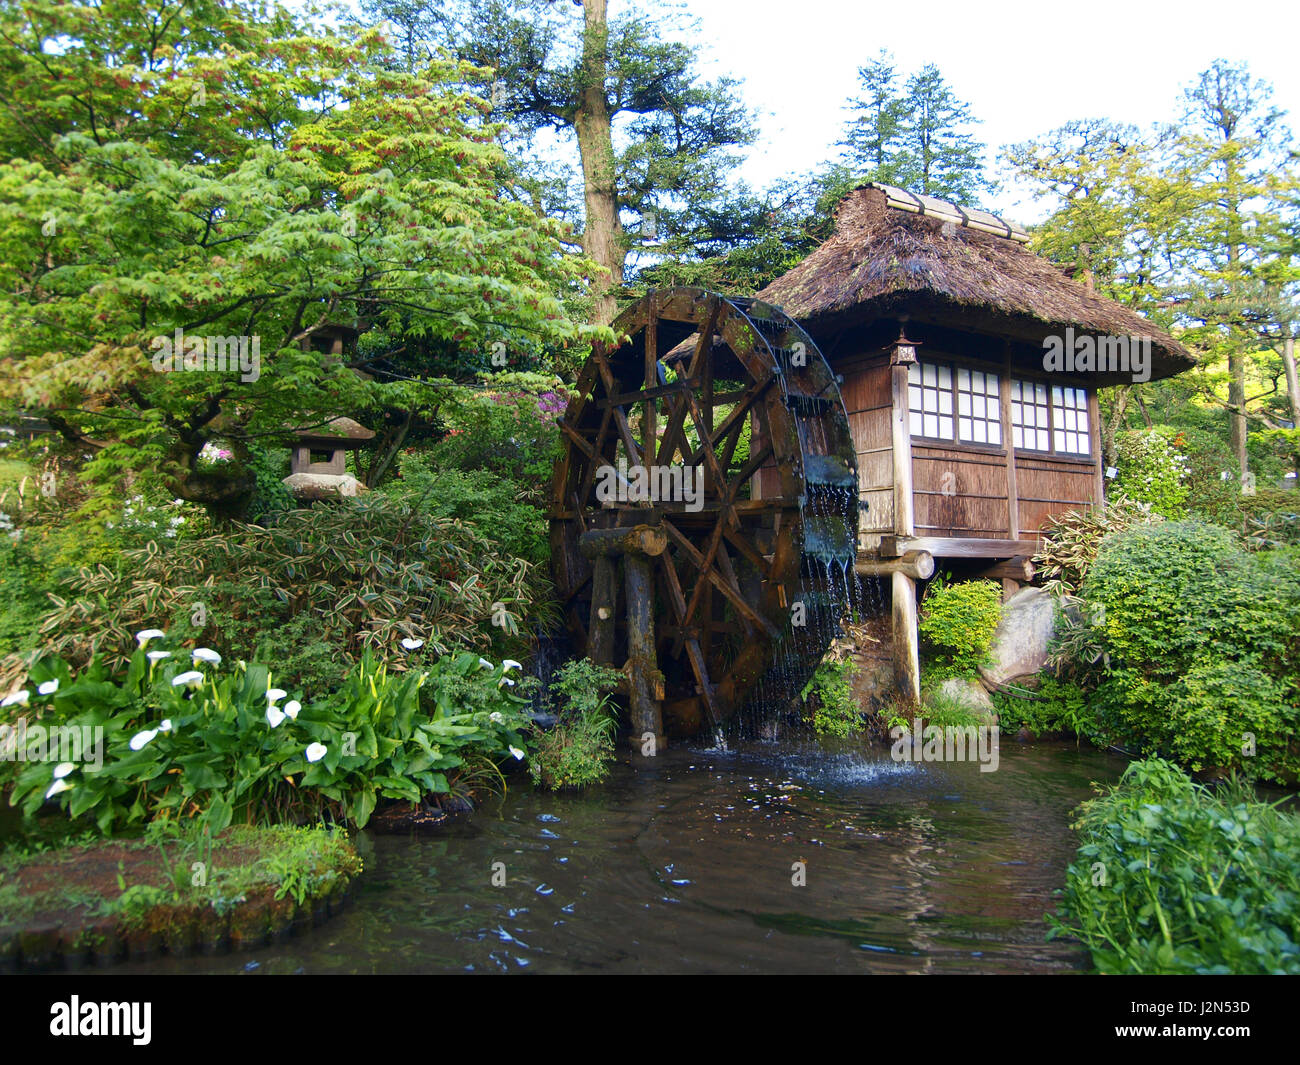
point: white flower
(510, 664)
(48, 688)
(145, 635)
(274, 715)
(506, 680)
(496, 718)
(291, 709)
(485, 664)
(165, 725)
(316, 752)
(412, 645)
(140, 739)
(193, 678)
(158, 656)
(206, 654)
(19, 697)
(274, 695)
(63, 769)
(57, 787)
(519, 755)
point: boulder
(314, 486)
(1020, 643)
(969, 695)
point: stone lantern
(318, 466)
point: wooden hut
(970, 369)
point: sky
(1024, 68)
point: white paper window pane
(931, 400)
(1017, 436)
(1042, 440)
(992, 385)
(945, 377)
(945, 428)
(963, 402)
(981, 432)
(964, 427)
(945, 402)
(916, 424)
(963, 379)
(1040, 394)
(914, 373)
(1085, 444)
(914, 397)
(1070, 420)
(928, 375)
(995, 433)
(980, 406)
(1060, 440)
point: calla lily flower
(412, 645)
(48, 688)
(141, 739)
(63, 769)
(165, 725)
(58, 787)
(206, 654)
(519, 755)
(193, 678)
(274, 695)
(274, 716)
(485, 664)
(316, 751)
(158, 656)
(510, 664)
(18, 697)
(291, 709)
(145, 635)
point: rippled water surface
(687, 867)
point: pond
(689, 866)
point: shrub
(1173, 878)
(1152, 470)
(578, 749)
(1202, 646)
(958, 622)
(1071, 541)
(1055, 706)
(218, 743)
(356, 575)
(833, 709)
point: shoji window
(979, 410)
(1070, 421)
(1030, 424)
(929, 400)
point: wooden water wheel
(707, 456)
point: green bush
(348, 576)
(1071, 541)
(833, 709)
(1174, 878)
(188, 738)
(577, 751)
(1055, 706)
(1201, 640)
(957, 625)
(1152, 470)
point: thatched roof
(894, 254)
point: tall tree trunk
(602, 237)
(1292, 389)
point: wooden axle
(919, 565)
(643, 540)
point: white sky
(1023, 67)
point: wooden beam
(919, 565)
(907, 648)
(956, 546)
(906, 640)
(1019, 569)
(638, 540)
(645, 681)
(604, 601)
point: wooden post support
(907, 651)
(643, 540)
(604, 601)
(645, 682)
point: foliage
(834, 711)
(1202, 647)
(1054, 706)
(1174, 878)
(218, 743)
(1152, 471)
(1071, 540)
(577, 751)
(244, 175)
(360, 574)
(916, 138)
(957, 624)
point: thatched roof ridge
(885, 259)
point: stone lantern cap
(337, 434)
